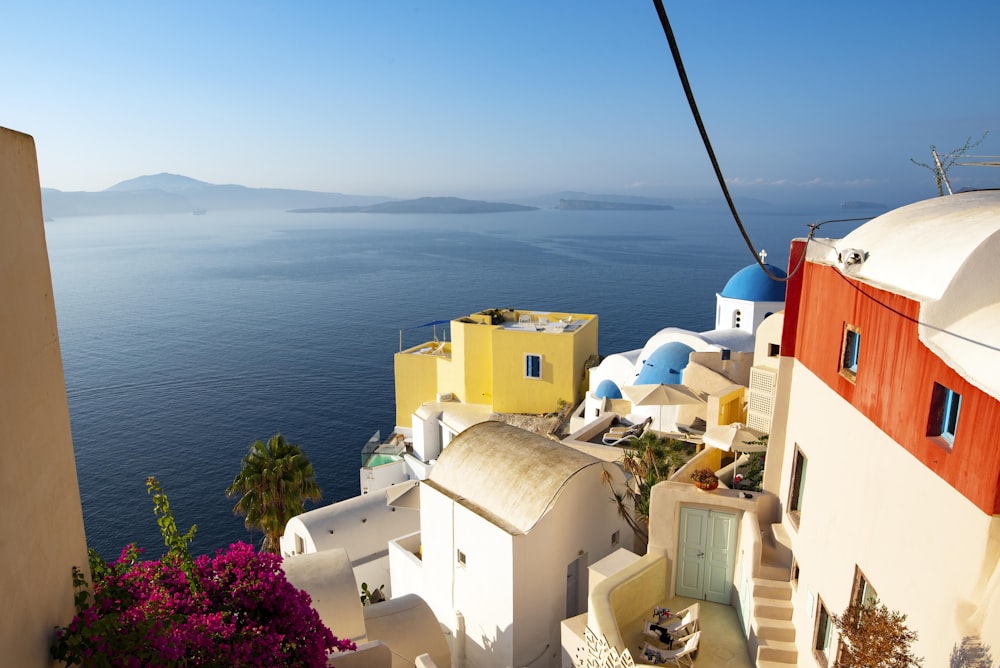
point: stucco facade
(503, 550)
(879, 487)
(42, 521)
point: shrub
(235, 608)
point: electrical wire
(679, 63)
(857, 285)
(675, 51)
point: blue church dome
(607, 389)
(753, 285)
(665, 365)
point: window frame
(862, 589)
(850, 348)
(824, 625)
(796, 487)
(528, 357)
(945, 411)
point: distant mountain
(596, 205)
(168, 183)
(173, 193)
(424, 205)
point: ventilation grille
(760, 403)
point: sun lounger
(682, 656)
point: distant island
(595, 205)
(867, 206)
(173, 193)
(424, 205)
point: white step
(772, 608)
(782, 630)
(765, 663)
(765, 588)
(777, 650)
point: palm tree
(646, 461)
(274, 482)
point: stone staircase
(771, 623)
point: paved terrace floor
(722, 643)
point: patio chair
(682, 656)
(616, 435)
(684, 621)
(611, 440)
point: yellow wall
(731, 407)
(563, 357)
(416, 382)
(487, 367)
(475, 382)
(41, 520)
(516, 393)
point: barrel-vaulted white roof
(918, 249)
(943, 253)
(510, 476)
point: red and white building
(885, 443)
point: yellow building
(513, 361)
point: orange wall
(896, 375)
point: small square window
(945, 407)
(773, 349)
(849, 353)
(533, 366)
(460, 557)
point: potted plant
(705, 479)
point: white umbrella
(735, 437)
(661, 395)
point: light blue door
(706, 554)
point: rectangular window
(533, 366)
(863, 592)
(943, 421)
(797, 487)
(849, 353)
(460, 557)
(615, 538)
(773, 349)
(824, 631)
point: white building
(399, 633)
(361, 526)
(883, 471)
(510, 522)
(884, 447)
(715, 364)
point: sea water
(186, 338)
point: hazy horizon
(801, 102)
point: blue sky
(802, 100)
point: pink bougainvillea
(241, 611)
